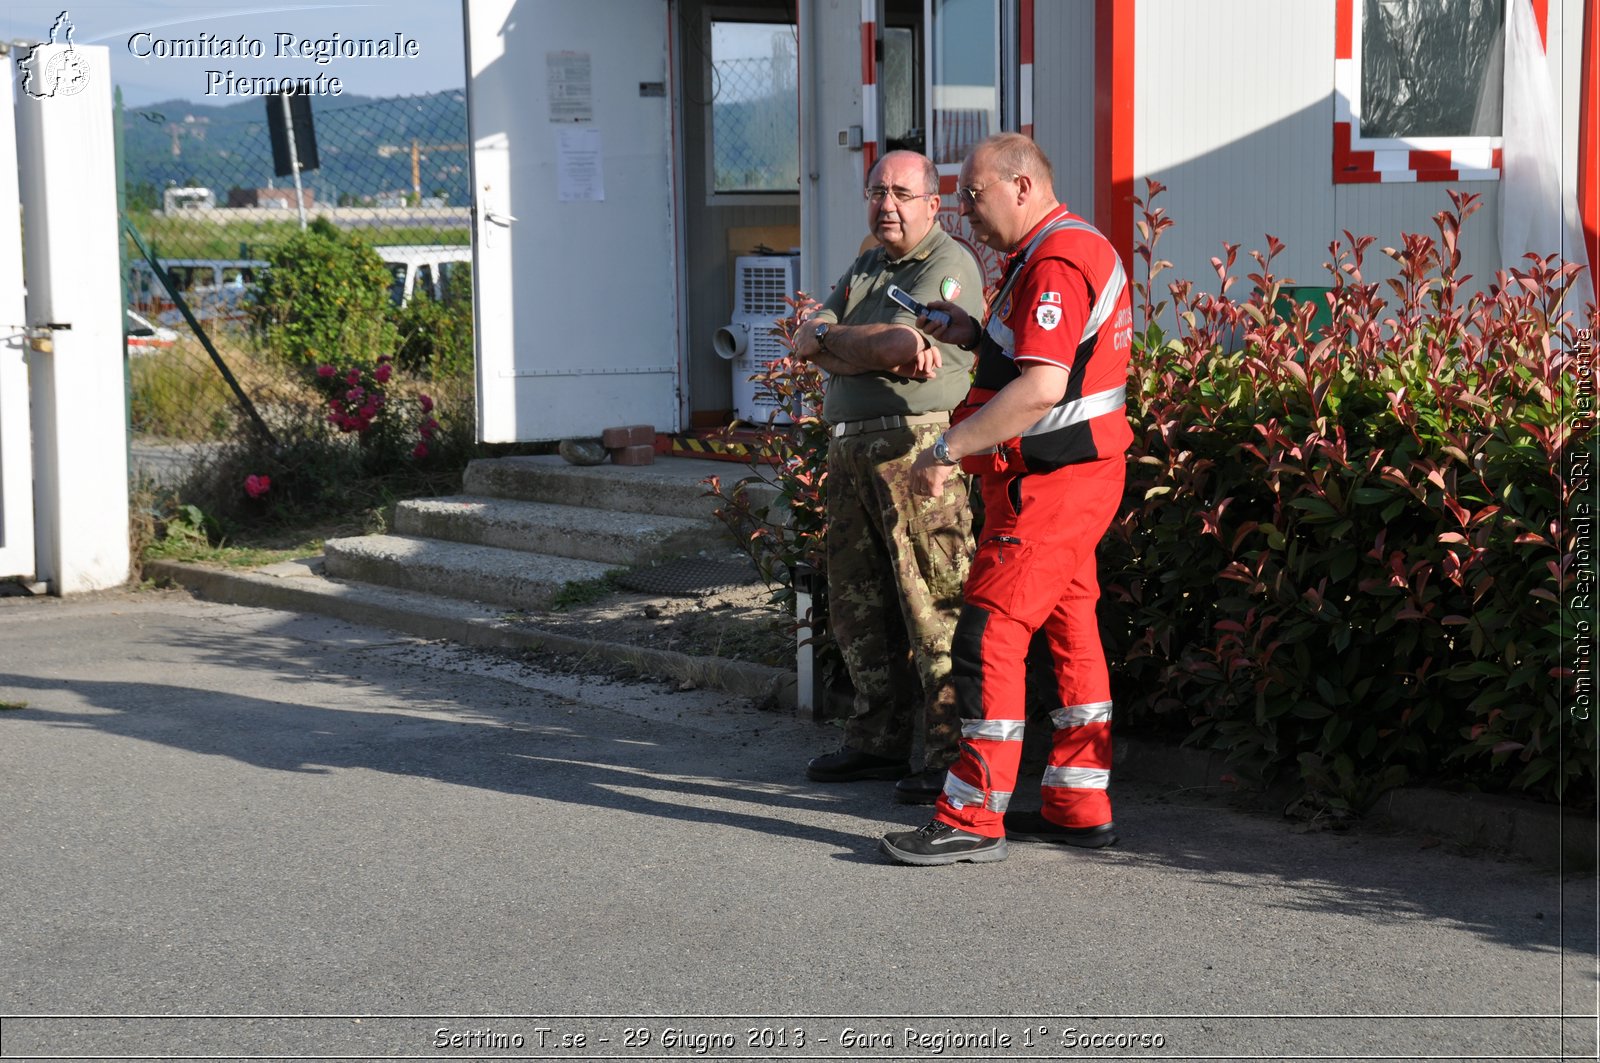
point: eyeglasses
(967, 195)
(878, 193)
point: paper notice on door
(571, 86)
(580, 168)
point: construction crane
(417, 148)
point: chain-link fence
(755, 125)
(244, 325)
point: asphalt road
(281, 836)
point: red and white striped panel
(1025, 58)
(1476, 159)
(869, 87)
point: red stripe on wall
(1025, 42)
(1589, 142)
(1350, 167)
(1431, 160)
(1113, 114)
(1344, 22)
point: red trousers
(1035, 567)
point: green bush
(325, 299)
(1343, 551)
(435, 336)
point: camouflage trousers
(896, 565)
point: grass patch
(12, 706)
(585, 592)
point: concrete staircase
(525, 527)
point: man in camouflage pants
(896, 560)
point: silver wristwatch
(941, 452)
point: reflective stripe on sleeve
(1077, 778)
(994, 730)
(1078, 715)
(1079, 410)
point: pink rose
(256, 486)
(326, 370)
(382, 373)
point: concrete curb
(294, 586)
(1541, 833)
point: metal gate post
(68, 182)
(16, 448)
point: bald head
(1015, 153)
(1007, 187)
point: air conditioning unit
(761, 284)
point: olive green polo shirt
(936, 266)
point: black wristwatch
(821, 334)
(941, 451)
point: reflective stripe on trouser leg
(978, 786)
(1074, 784)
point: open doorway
(739, 68)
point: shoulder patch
(1050, 297)
(949, 288)
(1047, 316)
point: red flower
(381, 374)
(421, 451)
(256, 486)
(353, 377)
(326, 370)
(426, 401)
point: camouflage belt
(885, 424)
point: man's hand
(929, 477)
(925, 366)
(963, 330)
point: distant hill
(364, 144)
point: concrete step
(457, 570)
(671, 487)
(566, 531)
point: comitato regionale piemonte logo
(64, 73)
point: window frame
(742, 198)
(1360, 159)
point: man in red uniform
(1045, 429)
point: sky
(126, 28)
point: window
(901, 89)
(1418, 89)
(755, 103)
(1431, 68)
(965, 65)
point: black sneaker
(1033, 827)
(923, 788)
(940, 843)
(848, 765)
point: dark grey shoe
(923, 788)
(848, 765)
(1033, 827)
(940, 843)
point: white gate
(62, 390)
(16, 451)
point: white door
(16, 452)
(575, 272)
